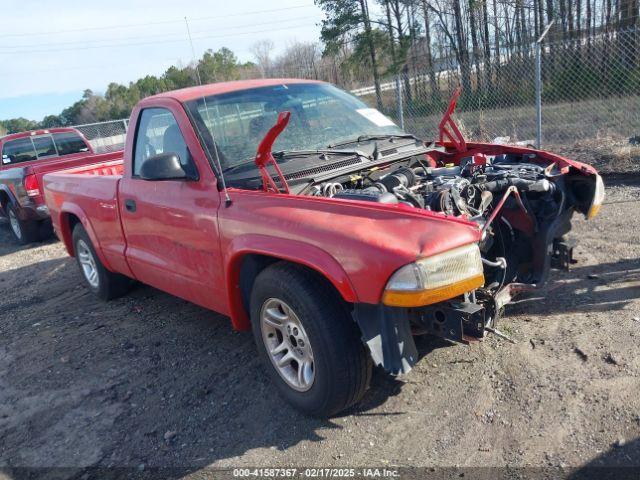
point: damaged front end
(388, 331)
(469, 307)
(522, 238)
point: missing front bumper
(387, 331)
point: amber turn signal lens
(593, 211)
(598, 198)
(428, 297)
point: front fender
(283, 249)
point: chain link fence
(105, 136)
(589, 98)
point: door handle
(130, 205)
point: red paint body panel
(40, 168)
(353, 244)
(90, 194)
(172, 238)
(191, 93)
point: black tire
(341, 364)
(24, 232)
(106, 285)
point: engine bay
(465, 189)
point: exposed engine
(455, 190)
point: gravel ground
(152, 381)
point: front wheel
(105, 284)
(309, 344)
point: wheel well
(253, 264)
(69, 221)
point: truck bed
(41, 168)
(106, 167)
(93, 190)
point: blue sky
(73, 45)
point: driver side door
(171, 225)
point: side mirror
(165, 166)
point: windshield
(321, 115)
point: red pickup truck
(26, 157)
(313, 220)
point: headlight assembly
(435, 279)
(598, 198)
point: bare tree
(429, 56)
(261, 52)
(300, 59)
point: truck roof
(43, 131)
(192, 93)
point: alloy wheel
(287, 344)
(88, 263)
(15, 224)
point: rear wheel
(105, 284)
(23, 231)
(309, 344)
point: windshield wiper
(286, 154)
(367, 138)
(320, 153)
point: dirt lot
(152, 381)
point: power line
(11, 49)
(159, 42)
(165, 22)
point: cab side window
(16, 151)
(158, 132)
(69, 143)
(44, 146)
